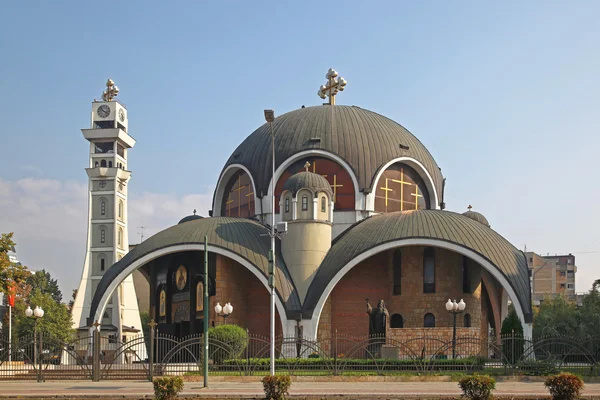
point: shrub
(228, 341)
(167, 388)
(276, 387)
(545, 367)
(564, 386)
(477, 387)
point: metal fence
(40, 357)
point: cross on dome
(111, 91)
(307, 166)
(334, 84)
(194, 211)
(469, 207)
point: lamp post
(270, 117)
(37, 313)
(224, 311)
(455, 308)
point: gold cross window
(400, 188)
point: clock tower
(107, 234)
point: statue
(378, 319)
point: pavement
(316, 390)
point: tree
(556, 317)
(43, 281)
(72, 301)
(56, 322)
(145, 318)
(10, 273)
(512, 332)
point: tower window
(323, 204)
(304, 203)
(103, 163)
(397, 321)
(110, 164)
(120, 237)
(466, 279)
(96, 164)
(429, 321)
(429, 270)
(102, 235)
(467, 321)
(120, 208)
(104, 147)
(397, 265)
(102, 264)
(102, 207)
(287, 204)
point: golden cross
(229, 207)
(417, 195)
(96, 324)
(251, 197)
(152, 324)
(402, 183)
(335, 186)
(334, 84)
(239, 190)
(386, 189)
(314, 165)
(111, 91)
(307, 166)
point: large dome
(363, 139)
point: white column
(331, 211)
(315, 209)
(294, 209)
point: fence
(40, 357)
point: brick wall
(373, 278)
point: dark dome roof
(308, 180)
(477, 217)
(362, 138)
(189, 218)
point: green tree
(56, 322)
(557, 316)
(145, 318)
(10, 272)
(43, 281)
(512, 333)
(589, 324)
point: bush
(477, 387)
(276, 387)
(231, 341)
(167, 388)
(545, 367)
(564, 386)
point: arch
(103, 163)
(418, 167)
(220, 190)
(122, 275)
(429, 320)
(397, 321)
(482, 261)
(358, 197)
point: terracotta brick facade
(345, 310)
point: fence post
(96, 355)
(40, 356)
(247, 369)
(152, 325)
(335, 353)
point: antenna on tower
(141, 233)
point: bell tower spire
(107, 233)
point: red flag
(11, 295)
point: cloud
(49, 219)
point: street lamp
(37, 313)
(224, 311)
(455, 308)
(270, 117)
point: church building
(363, 203)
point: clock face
(102, 184)
(121, 115)
(103, 111)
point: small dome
(477, 217)
(307, 180)
(190, 218)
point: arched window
(467, 321)
(102, 234)
(120, 237)
(103, 163)
(120, 208)
(102, 207)
(110, 164)
(102, 260)
(466, 278)
(397, 266)
(96, 164)
(429, 321)
(287, 204)
(429, 270)
(397, 321)
(323, 204)
(304, 203)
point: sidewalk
(371, 390)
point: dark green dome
(307, 180)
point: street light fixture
(270, 117)
(37, 313)
(455, 308)
(224, 311)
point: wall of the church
(374, 279)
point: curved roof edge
(438, 225)
(244, 237)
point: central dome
(365, 140)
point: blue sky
(503, 94)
